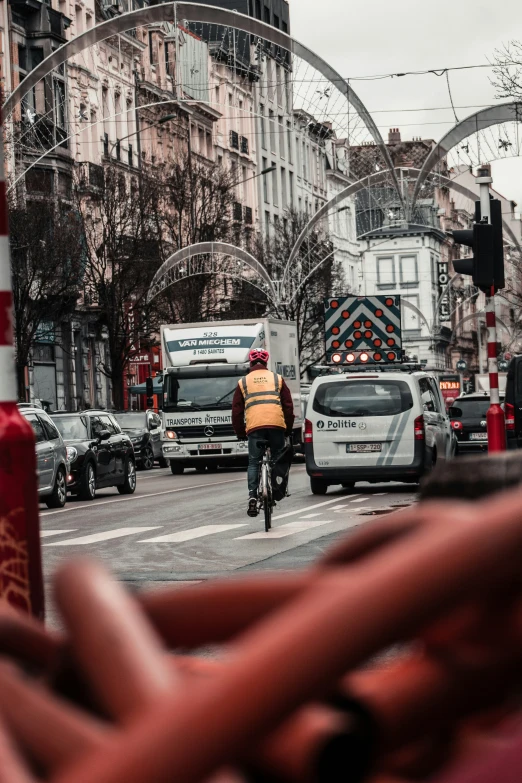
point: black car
(513, 406)
(99, 453)
(468, 420)
(144, 430)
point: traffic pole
(495, 422)
(21, 582)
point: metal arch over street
(166, 274)
(485, 118)
(193, 12)
(375, 179)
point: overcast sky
(378, 36)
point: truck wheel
(348, 485)
(176, 468)
(318, 486)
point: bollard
(21, 581)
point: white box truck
(202, 364)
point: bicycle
(264, 494)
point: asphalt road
(193, 527)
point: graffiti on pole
(444, 293)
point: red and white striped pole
(21, 582)
(496, 425)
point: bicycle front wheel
(267, 499)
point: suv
(468, 419)
(144, 430)
(374, 426)
(100, 454)
(51, 457)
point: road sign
(363, 329)
(502, 365)
(462, 365)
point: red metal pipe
(295, 654)
(21, 582)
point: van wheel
(318, 486)
(201, 468)
(348, 485)
(176, 468)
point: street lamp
(161, 120)
(259, 174)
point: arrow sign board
(363, 329)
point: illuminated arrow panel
(363, 329)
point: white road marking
(134, 498)
(46, 533)
(380, 493)
(317, 514)
(358, 500)
(338, 508)
(95, 537)
(304, 510)
(286, 530)
(188, 535)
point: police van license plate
(478, 435)
(210, 447)
(362, 448)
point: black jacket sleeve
(238, 413)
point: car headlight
(171, 435)
(72, 453)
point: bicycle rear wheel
(266, 496)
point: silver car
(51, 457)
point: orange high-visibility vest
(261, 390)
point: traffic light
(149, 388)
(486, 266)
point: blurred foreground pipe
(296, 654)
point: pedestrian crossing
(330, 516)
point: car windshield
(131, 421)
(71, 427)
(363, 398)
(199, 393)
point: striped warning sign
(363, 329)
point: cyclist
(262, 409)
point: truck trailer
(203, 363)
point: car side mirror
(104, 435)
(454, 413)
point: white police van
(374, 426)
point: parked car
(144, 430)
(51, 457)
(513, 404)
(468, 420)
(100, 454)
(371, 426)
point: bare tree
(315, 274)
(507, 73)
(47, 261)
(123, 241)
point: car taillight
(418, 428)
(509, 413)
(457, 425)
(308, 432)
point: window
(262, 125)
(234, 140)
(60, 116)
(151, 48)
(289, 142)
(363, 398)
(304, 161)
(276, 21)
(267, 15)
(37, 426)
(283, 188)
(248, 216)
(408, 270)
(50, 430)
(281, 128)
(244, 145)
(271, 123)
(291, 175)
(275, 199)
(279, 87)
(258, 9)
(410, 318)
(285, 27)
(386, 272)
(265, 181)
(267, 223)
(39, 181)
(168, 64)
(430, 401)
(436, 395)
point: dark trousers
(276, 439)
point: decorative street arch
(207, 258)
(193, 12)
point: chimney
(394, 136)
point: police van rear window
(363, 398)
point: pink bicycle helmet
(258, 355)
